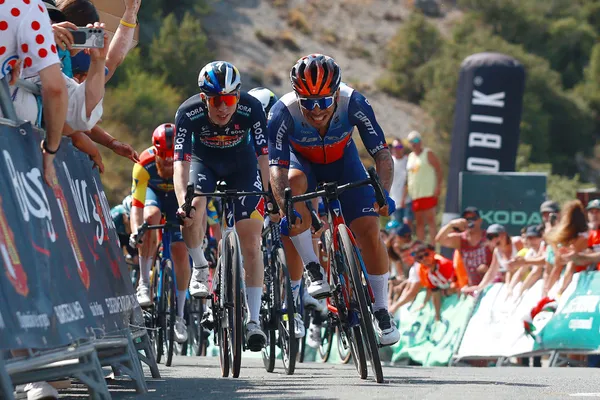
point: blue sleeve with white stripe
(280, 126)
(361, 115)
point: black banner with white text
(63, 277)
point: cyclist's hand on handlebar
(133, 240)
(301, 224)
(388, 209)
(188, 220)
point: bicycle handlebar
(332, 192)
(146, 227)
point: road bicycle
(351, 301)
(229, 300)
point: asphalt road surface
(199, 378)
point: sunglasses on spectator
(399, 147)
(416, 140)
(492, 236)
(310, 104)
(421, 256)
(228, 99)
(472, 218)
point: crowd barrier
(65, 290)
(491, 326)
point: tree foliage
(557, 122)
(153, 81)
(179, 52)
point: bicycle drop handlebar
(331, 191)
(145, 227)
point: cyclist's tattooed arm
(361, 115)
(279, 181)
(385, 168)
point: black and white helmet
(219, 77)
(265, 96)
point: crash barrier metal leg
(6, 386)
(145, 351)
(79, 362)
(120, 353)
(557, 360)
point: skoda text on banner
(487, 115)
(511, 199)
(64, 276)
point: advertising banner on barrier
(64, 277)
(425, 340)
(576, 323)
(496, 326)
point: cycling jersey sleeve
(259, 128)
(281, 125)
(183, 141)
(139, 184)
(361, 115)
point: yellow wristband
(127, 24)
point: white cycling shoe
(199, 282)
(319, 288)
(386, 330)
(143, 295)
(181, 333)
(299, 330)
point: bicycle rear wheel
(169, 292)
(343, 349)
(326, 342)
(360, 291)
(286, 326)
(268, 319)
(237, 329)
(302, 344)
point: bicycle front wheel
(169, 293)
(286, 327)
(360, 293)
(237, 329)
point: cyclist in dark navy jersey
(310, 141)
(221, 135)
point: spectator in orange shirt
(436, 273)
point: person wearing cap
(400, 237)
(402, 214)
(465, 234)
(424, 183)
(505, 249)
(550, 211)
(529, 267)
(436, 274)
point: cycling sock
(197, 255)
(254, 295)
(145, 266)
(304, 246)
(296, 290)
(379, 285)
(181, 294)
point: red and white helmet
(163, 140)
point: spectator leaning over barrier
(402, 214)
(529, 267)
(465, 234)
(570, 233)
(505, 249)
(436, 274)
(400, 237)
(424, 183)
(84, 100)
(22, 32)
(413, 285)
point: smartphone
(85, 38)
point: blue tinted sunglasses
(323, 103)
